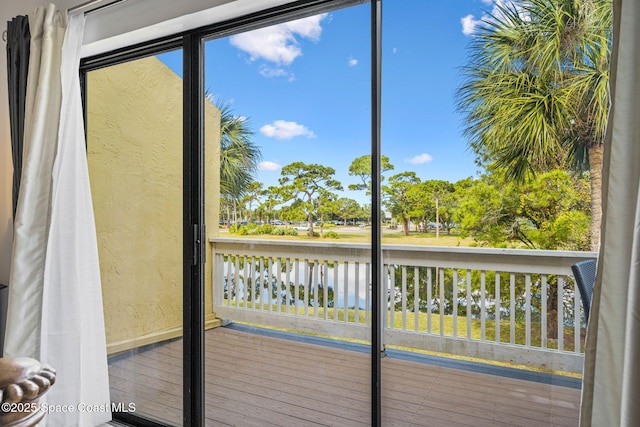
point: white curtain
(73, 334)
(31, 227)
(55, 305)
(611, 385)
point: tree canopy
(398, 197)
(308, 181)
(361, 168)
(535, 91)
(550, 211)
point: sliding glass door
(135, 153)
(470, 310)
(242, 196)
(264, 133)
(288, 109)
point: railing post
(455, 302)
(497, 308)
(544, 303)
(560, 313)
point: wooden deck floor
(256, 380)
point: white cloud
(419, 159)
(272, 72)
(395, 50)
(352, 62)
(282, 129)
(280, 43)
(268, 166)
(307, 27)
(469, 24)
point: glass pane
(288, 113)
(471, 331)
(135, 163)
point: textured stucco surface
(136, 171)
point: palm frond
(536, 82)
(239, 156)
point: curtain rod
(83, 6)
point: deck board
(257, 380)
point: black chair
(585, 274)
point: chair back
(585, 275)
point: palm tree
(239, 156)
(535, 91)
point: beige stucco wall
(135, 165)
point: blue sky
(304, 87)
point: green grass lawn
(426, 239)
(388, 236)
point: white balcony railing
(506, 305)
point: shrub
(290, 232)
(331, 235)
(278, 231)
(254, 230)
(265, 229)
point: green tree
(251, 195)
(429, 202)
(272, 197)
(361, 168)
(347, 209)
(449, 203)
(398, 197)
(556, 205)
(325, 205)
(307, 181)
(535, 92)
(294, 212)
(550, 211)
(484, 212)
